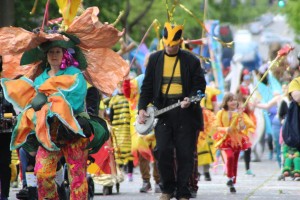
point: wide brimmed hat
(39, 53)
(101, 66)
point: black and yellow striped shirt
(175, 90)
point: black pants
(5, 160)
(247, 158)
(175, 133)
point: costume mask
(172, 34)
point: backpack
(291, 126)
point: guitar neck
(166, 109)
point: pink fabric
(280, 137)
(68, 60)
(45, 169)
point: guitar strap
(168, 88)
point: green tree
(292, 11)
(138, 14)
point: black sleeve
(283, 109)
(111, 114)
(146, 95)
(6, 106)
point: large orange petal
(15, 40)
(19, 92)
(62, 110)
(42, 130)
(94, 34)
(23, 128)
(106, 69)
(12, 69)
(55, 83)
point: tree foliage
(292, 11)
(139, 14)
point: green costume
(291, 163)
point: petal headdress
(104, 68)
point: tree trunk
(7, 12)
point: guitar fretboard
(192, 100)
(161, 111)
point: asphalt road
(264, 185)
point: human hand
(229, 129)
(143, 115)
(241, 109)
(185, 103)
(242, 124)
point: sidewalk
(264, 185)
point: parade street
(263, 186)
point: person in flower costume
(52, 102)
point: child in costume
(205, 147)
(291, 162)
(233, 125)
(120, 121)
(142, 147)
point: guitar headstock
(198, 97)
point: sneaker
(193, 194)
(157, 188)
(270, 155)
(145, 187)
(229, 183)
(130, 177)
(207, 176)
(281, 177)
(23, 193)
(15, 184)
(232, 189)
(249, 172)
(165, 196)
(286, 173)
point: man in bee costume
(173, 75)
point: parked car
(256, 27)
(266, 19)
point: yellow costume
(140, 144)
(205, 148)
(294, 85)
(210, 92)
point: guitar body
(150, 123)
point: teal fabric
(76, 96)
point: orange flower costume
(96, 39)
(20, 93)
(241, 125)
